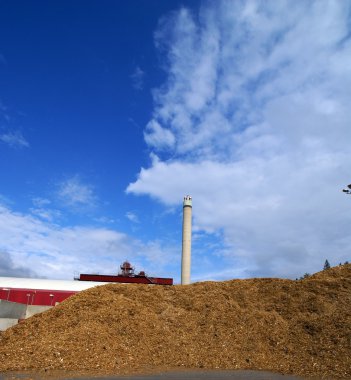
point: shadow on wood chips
(291, 327)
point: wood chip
(293, 327)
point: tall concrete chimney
(186, 243)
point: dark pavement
(182, 375)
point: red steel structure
(127, 276)
(136, 279)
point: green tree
(326, 265)
(306, 275)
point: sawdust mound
(299, 327)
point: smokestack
(186, 243)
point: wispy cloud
(14, 139)
(40, 202)
(42, 208)
(4, 114)
(138, 78)
(254, 116)
(73, 192)
(47, 214)
(31, 246)
(132, 217)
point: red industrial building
(43, 292)
(38, 297)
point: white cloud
(225, 68)
(257, 104)
(14, 139)
(8, 269)
(158, 137)
(73, 192)
(36, 247)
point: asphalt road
(211, 375)
(183, 375)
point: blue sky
(111, 112)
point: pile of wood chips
(293, 327)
